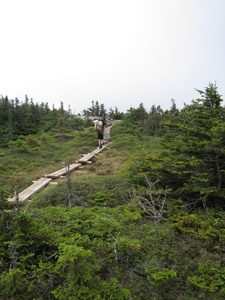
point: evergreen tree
(192, 162)
(195, 138)
(95, 110)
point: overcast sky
(118, 52)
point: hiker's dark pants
(100, 135)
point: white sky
(118, 52)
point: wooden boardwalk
(45, 180)
(63, 171)
(34, 188)
(89, 156)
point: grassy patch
(108, 191)
(52, 155)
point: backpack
(98, 125)
(104, 122)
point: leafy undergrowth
(92, 235)
(53, 153)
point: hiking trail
(48, 178)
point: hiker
(99, 129)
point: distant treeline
(23, 118)
(26, 117)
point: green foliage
(115, 114)
(110, 252)
(195, 137)
(26, 118)
(96, 110)
(27, 144)
(104, 191)
(143, 123)
(210, 230)
(159, 277)
(13, 284)
(33, 156)
(101, 199)
(107, 245)
(192, 161)
(210, 278)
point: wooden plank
(42, 182)
(63, 171)
(34, 188)
(107, 132)
(89, 156)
